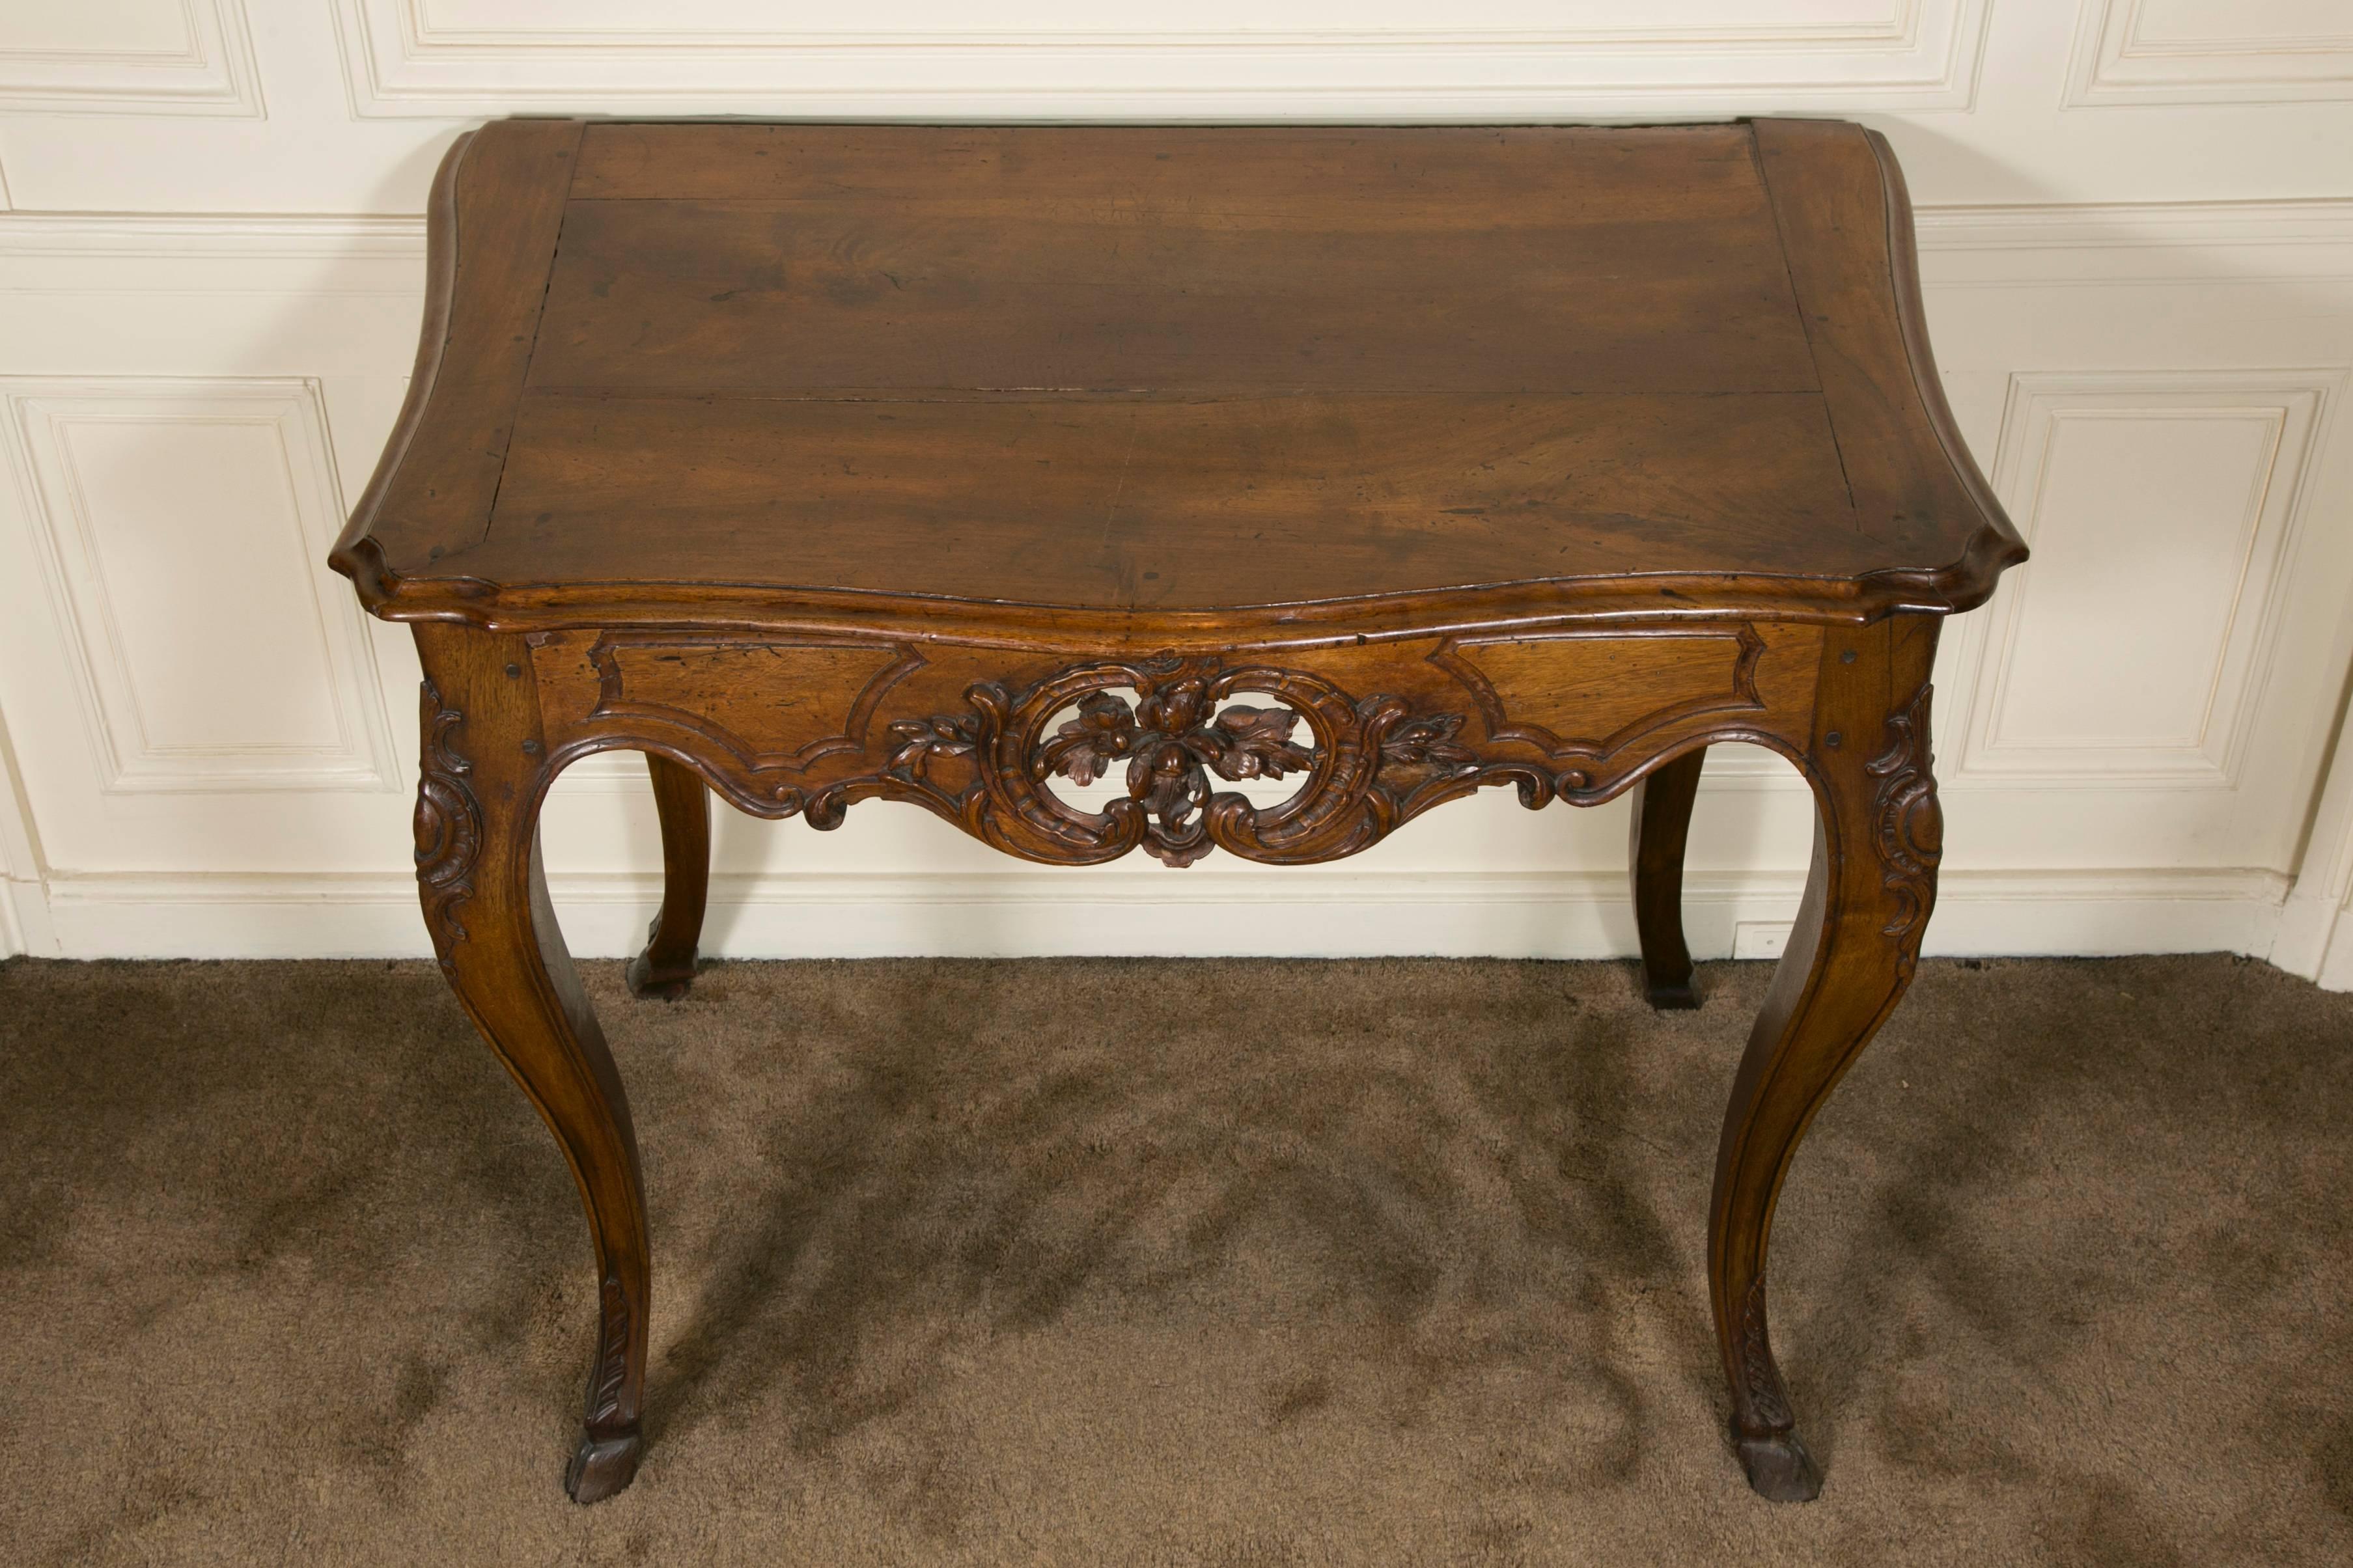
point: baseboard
(2307, 922)
(1022, 913)
(24, 919)
(2335, 968)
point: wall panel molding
(192, 57)
(113, 575)
(2112, 245)
(197, 235)
(288, 257)
(2208, 51)
(1311, 56)
(2268, 240)
(2102, 224)
(2218, 618)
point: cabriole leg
(485, 899)
(1662, 808)
(666, 968)
(1852, 954)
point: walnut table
(825, 464)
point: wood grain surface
(1174, 373)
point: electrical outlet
(1759, 939)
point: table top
(1171, 376)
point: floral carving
(1172, 739)
(1908, 826)
(915, 742)
(1366, 765)
(448, 829)
(1427, 741)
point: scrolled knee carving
(447, 827)
(1908, 825)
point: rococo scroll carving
(448, 827)
(1908, 825)
(1366, 765)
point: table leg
(666, 968)
(1662, 808)
(485, 771)
(1852, 953)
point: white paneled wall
(2214, 51)
(108, 456)
(2137, 225)
(110, 57)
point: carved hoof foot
(1780, 1469)
(1672, 996)
(667, 983)
(664, 981)
(602, 1467)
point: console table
(958, 466)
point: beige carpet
(1142, 1263)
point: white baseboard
(20, 903)
(2335, 972)
(2307, 924)
(1024, 913)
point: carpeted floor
(1138, 1263)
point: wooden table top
(1273, 376)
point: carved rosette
(448, 829)
(1366, 765)
(1908, 826)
